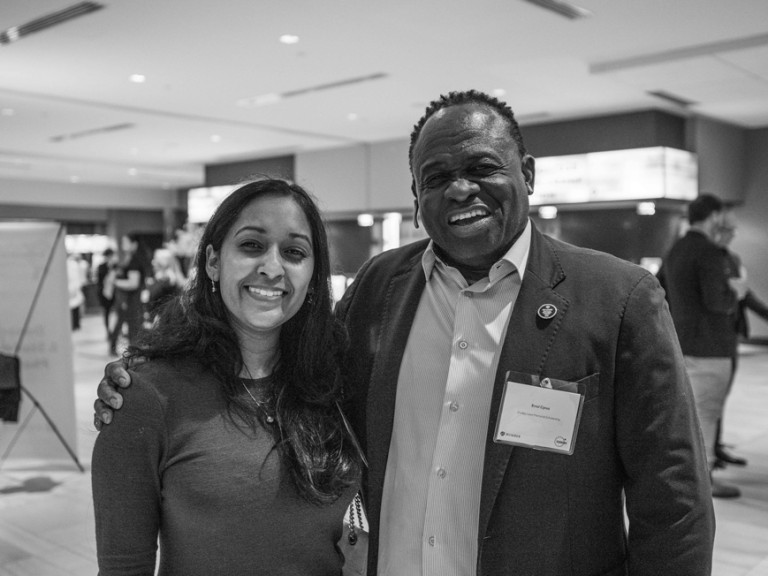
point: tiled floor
(46, 516)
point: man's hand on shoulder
(115, 377)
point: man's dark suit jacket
(543, 513)
(704, 308)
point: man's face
(726, 229)
(472, 186)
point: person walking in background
(737, 275)
(232, 447)
(166, 281)
(129, 283)
(75, 290)
(106, 273)
(441, 328)
(703, 299)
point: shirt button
(454, 406)
(431, 540)
(463, 345)
(441, 473)
(468, 294)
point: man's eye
(482, 170)
(434, 181)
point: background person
(436, 326)
(167, 281)
(737, 275)
(106, 272)
(75, 289)
(232, 445)
(703, 298)
(129, 283)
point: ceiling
(220, 86)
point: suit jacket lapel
(402, 300)
(525, 347)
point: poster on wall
(36, 345)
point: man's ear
(529, 172)
(415, 204)
(212, 263)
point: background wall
(376, 178)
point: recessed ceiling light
(138, 78)
(74, 179)
(215, 138)
(646, 208)
(352, 116)
(365, 220)
(132, 171)
(7, 111)
(548, 212)
(289, 39)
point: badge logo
(546, 311)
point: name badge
(538, 417)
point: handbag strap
(355, 518)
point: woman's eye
(296, 254)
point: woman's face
(128, 245)
(265, 264)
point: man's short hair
(703, 207)
(467, 97)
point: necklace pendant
(270, 419)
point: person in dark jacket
(737, 274)
(703, 299)
(105, 284)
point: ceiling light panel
(48, 21)
(562, 8)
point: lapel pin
(546, 311)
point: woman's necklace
(268, 416)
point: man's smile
(468, 216)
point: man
(703, 298)
(129, 283)
(438, 327)
(737, 274)
(105, 284)
(75, 289)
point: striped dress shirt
(431, 499)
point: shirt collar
(515, 258)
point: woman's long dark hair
(312, 439)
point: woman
(129, 283)
(166, 281)
(240, 460)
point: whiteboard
(45, 353)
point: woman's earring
(213, 286)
